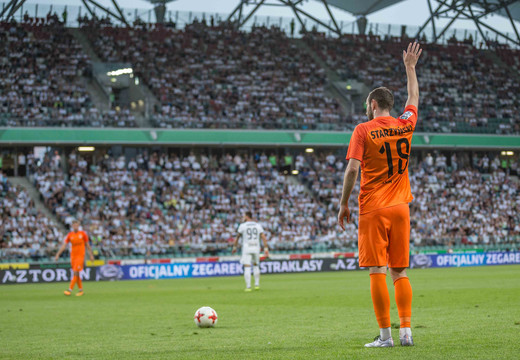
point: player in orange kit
(78, 241)
(381, 147)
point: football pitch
(461, 313)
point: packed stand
(151, 204)
(218, 77)
(191, 204)
(25, 232)
(457, 201)
(39, 66)
(462, 89)
(40, 69)
(323, 176)
(471, 201)
(510, 57)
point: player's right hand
(56, 258)
(234, 250)
(344, 212)
(411, 55)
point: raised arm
(410, 57)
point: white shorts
(250, 258)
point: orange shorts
(384, 237)
(77, 263)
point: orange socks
(75, 280)
(403, 299)
(72, 283)
(381, 299)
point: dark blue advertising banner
(37, 273)
(465, 259)
(43, 273)
(232, 268)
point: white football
(205, 317)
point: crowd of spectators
(462, 88)
(39, 68)
(190, 204)
(510, 57)
(457, 201)
(214, 76)
(193, 203)
(323, 175)
(464, 205)
(218, 77)
(25, 232)
(41, 65)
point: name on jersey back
(381, 133)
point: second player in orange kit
(78, 240)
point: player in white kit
(251, 232)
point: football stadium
(259, 179)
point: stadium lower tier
(185, 202)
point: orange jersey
(77, 241)
(383, 147)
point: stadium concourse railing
(126, 136)
(179, 19)
(224, 250)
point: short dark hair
(249, 214)
(383, 96)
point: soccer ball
(205, 317)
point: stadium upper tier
(218, 77)
(222, 78)
(511, 57)
(41, 69)
(39, 66)
(462, 88)
(166, 204)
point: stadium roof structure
(363, 8)
(12, 6)
(358, 8)
(475, 10)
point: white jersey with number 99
(250, 232)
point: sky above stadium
(410, 12)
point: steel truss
(10, 9)
(13, 5)
(118, 15)
(469, 10)
(239, 17)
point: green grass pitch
(465, 313)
